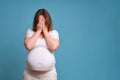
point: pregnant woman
(41, 41)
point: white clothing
(50, 75)
(40, 57)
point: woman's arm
(30, 41)
(52, 43)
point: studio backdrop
(89, 33)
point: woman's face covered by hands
(41, 19)
(41, 23)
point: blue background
(89, 35)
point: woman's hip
(47, 75)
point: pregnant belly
(40, 59)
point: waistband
(41, 71)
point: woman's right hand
(39, 27)
(41, 23)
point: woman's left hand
(44, 28)
(42, 23)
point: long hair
(48, 20)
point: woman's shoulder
(30, 30)
(54, 31)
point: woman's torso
(40, 58)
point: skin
(41, 32)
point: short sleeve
(55, 34)
(29, 33)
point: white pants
(50, 75)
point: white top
(40, 57)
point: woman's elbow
(27, 46)
(54, 47)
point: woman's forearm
(51, 42)
(31, 41)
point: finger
(42, 25)
(38, 25)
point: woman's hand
(42, 23)
(39, 27)
(45, 28)
(42, 27)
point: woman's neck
(41, 35)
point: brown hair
(48, 20)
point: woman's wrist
(38, 31)
(45, 29)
